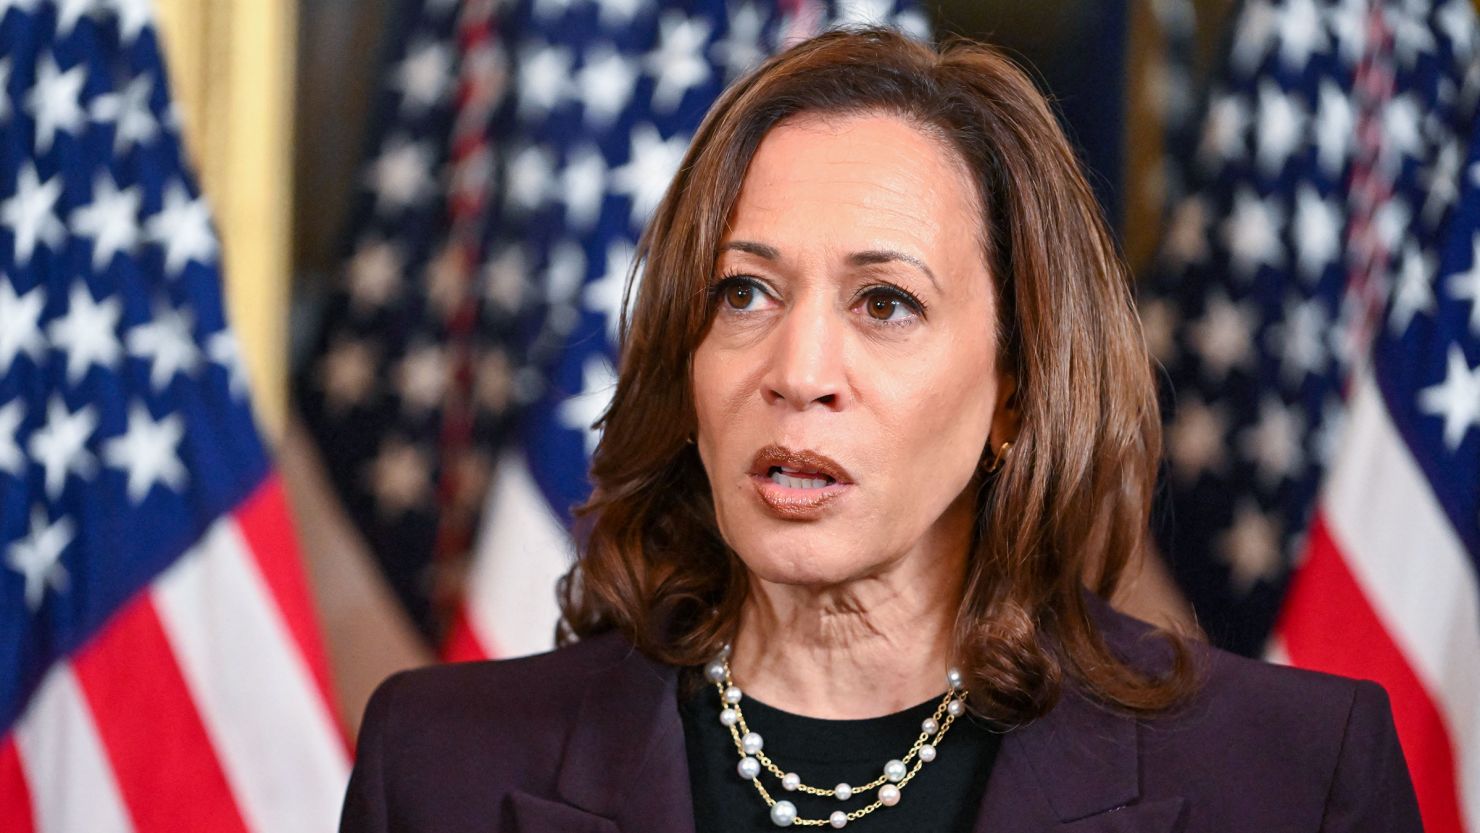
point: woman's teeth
(797, 482)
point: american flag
(159, 664)
(1319, 323)
(425, 410)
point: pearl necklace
(897, 773)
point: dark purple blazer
(588, 739)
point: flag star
(1456, 400)
(1391, 223)
(549, 10)
(471, 174)
(400, 478)
(445, 278)
(165, 342)
(347, 374)
(1414, 292)
(606, 294)
(183, 228)
(1412, 32)
(12, 460)
(401, 176)
(1258, 23)
(616, 14)
(1196, 440)
(38, 556)
(55, 101)
(130, 112)
(544, 78)
(374, 274)
(424, 75)
(421, 378)
(60, 446)
(148, 453)
(531, 178)
(224, 352)
(1301, 339)
(506, 279)
(678, 64)
(111, 220)
(583, 187)
(493, 382)
(20, 324)
(30, 213)
(565, 273)
(1301, 33)
(1187, 239)
(1456, 20)
(580, 412)
(1223, 336)
(1442, 181)
(1252, 233)
(604, 85)
(864, 12)
(1273, 444)
(1318, 227)
(88, 333)
(1251, 548)
(1223, 131)
(1400, 128)
(133, 16)
(4, 81)
(1335, 128)
(913, 23)
(740, 49)
(1159, 323)
(69, 12)
(1327, 437)
(651, 167)
(1281, 128)
(1466, 285)
(1347, 20)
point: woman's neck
(864, 649)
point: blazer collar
(1074, 770)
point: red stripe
(166, 766)
(462, 644)
(267, 527)
(15, 796)
(1327, 624)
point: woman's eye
(887, 306)
(739, 294)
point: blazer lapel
(625, 761)
(1074, 770)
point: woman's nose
(806, 359)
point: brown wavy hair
(1069, 509)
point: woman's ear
(1006, 418)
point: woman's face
(854, 318)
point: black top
(944, 796)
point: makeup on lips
(797, 485)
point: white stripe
(257, 698)
(67, 768)
(523, 549)
(1414, 570)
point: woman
(884, 414)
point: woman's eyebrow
(876, 256)
(758, 249)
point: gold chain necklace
(897, 773)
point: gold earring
(1001, 457)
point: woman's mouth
(797, 495)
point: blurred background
(418, 216)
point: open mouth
(796, 479)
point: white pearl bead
(790, 781)
(889, 795)
(752, 743)
(894, 770)
(748, 768)
(954, 678)
(843, 792)
(927, 753)
(733, 695)
(729, 717)
(783, 813)
(724, 650)
(955, 708)
(838, 819)
(715, 671)
(930, 727)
